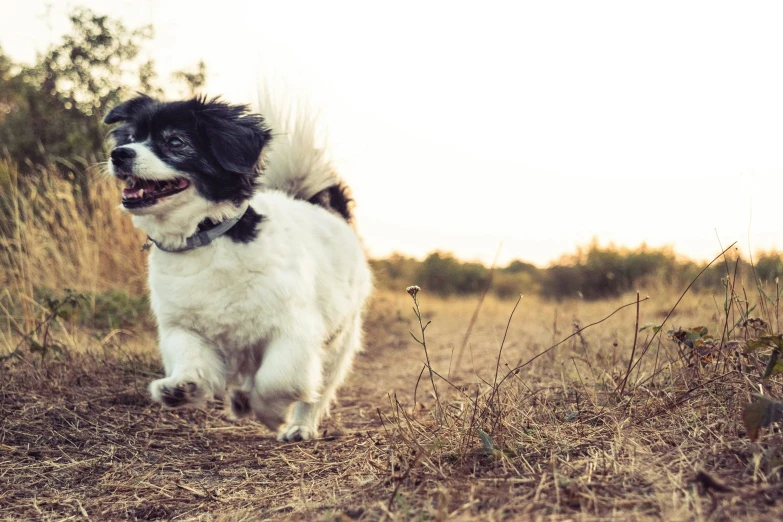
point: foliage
(53, 108)
(51, 111)
(103, 311)
(769, 266)
(598, 273)
(592, 273)
(192, 80)
(41, 339)
(445, 275)
(450, 276)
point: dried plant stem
(633, 350)
(423, 343)
(495, 384)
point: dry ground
(79, 438)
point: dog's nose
(122, 156)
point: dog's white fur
(280, 317)
(303, 175)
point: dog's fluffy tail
(296, 162)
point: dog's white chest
(205, 294)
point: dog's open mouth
(145, 192)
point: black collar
(206, 233)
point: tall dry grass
(53, 238)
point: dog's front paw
(176, 392)
(295, 433)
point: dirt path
(79, 437)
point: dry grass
(80, 439)
(53, 237)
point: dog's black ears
(236, 137)
(126, 110)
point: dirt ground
(80, 439)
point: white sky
(538, 124)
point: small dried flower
(413, 290)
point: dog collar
(201, 237)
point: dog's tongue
(141, 184)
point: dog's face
(171, 154)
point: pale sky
(539, 124)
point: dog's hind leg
(338, 357)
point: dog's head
(172, 154)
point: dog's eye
(175, 143)
(131, 138)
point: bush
(443, 274)
(591, 273)
(598, 273)
(103, 311)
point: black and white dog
(258, 280)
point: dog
(257, 278)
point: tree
(51, 111)
(193, 80)
(53, 108)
